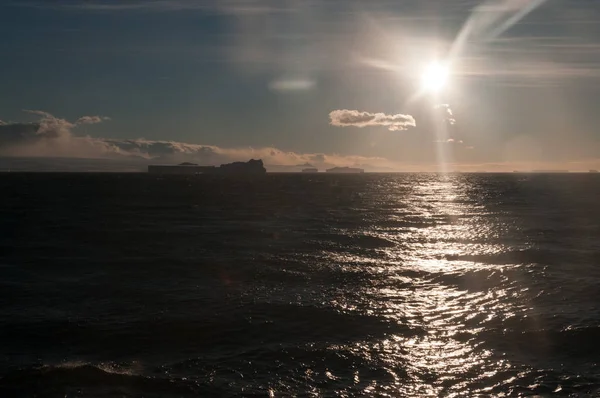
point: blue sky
(231, 75)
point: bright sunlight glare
(434, 77)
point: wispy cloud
(354, 118)
(490, 19)
(506, 12)
(300, 40)
(525, 60)
(49, 124)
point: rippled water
(308, 285)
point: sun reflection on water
(445, 301)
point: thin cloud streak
(250, 7)
(490, 19)
(479, 48)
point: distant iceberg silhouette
(250, 167)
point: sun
(435, 77)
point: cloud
(50, 126)
(175, 152)
(448, 115)
(54, 137)
(91, 119)
(347, 118)
(39, 113)
(2, 123)
(50, 136)
(49, 119)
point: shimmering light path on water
(320, 285)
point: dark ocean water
(299, 285)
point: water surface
(312, 285)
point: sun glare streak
(434, 81)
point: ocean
(398, 285)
